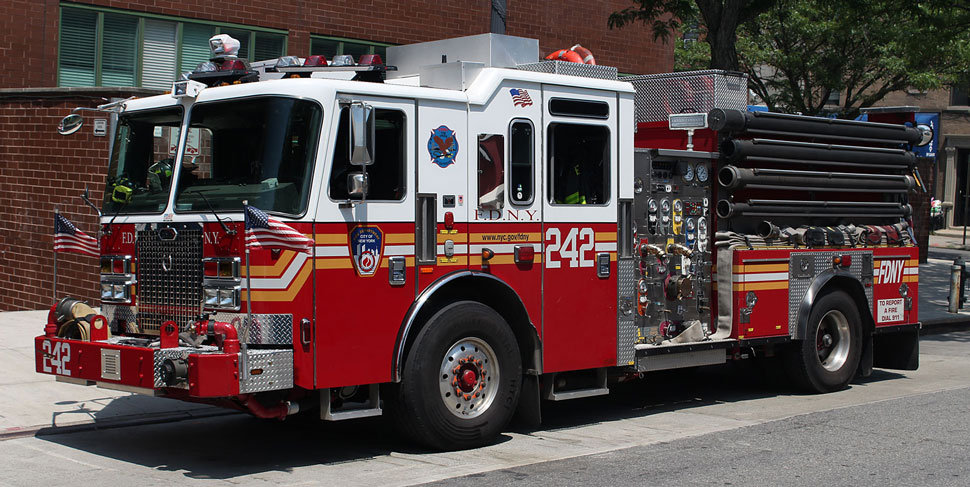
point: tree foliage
(800, 52)
(721, 19)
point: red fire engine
(474, 230)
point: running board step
(372, 407)
(600, 390)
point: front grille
(169, 275)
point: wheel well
(489, 291)
(853, 288)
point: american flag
(267, 232)
(67, 238)
(520, 98)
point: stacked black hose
(737, 122)
(839, 236)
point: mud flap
(898, 350)
(865, 361)
(529, 412)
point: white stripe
(406, 250)
(460, 249)
(332, 251)
(761, 277)
(280, 282)
(499, 248)
(911, 271)
(606, 246)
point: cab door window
(579, 164)
(521, 160)
(386, 176)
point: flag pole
(54, 288)
(243, 347)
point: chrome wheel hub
(468, 377)
(833, 340)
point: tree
(720, 18)
(799, 52)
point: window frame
(217, 27)
(372, 45)
(333, 154)
(532, 164)
(549, 183)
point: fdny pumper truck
(468, 230)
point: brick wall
(29, 28)
(41, 170)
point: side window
(491, 171)
(386, 176)
(579, 164)
(521, 160)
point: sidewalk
(32, 403)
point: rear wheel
(460, 384)
(828, 358)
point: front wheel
(461, 379)
(828, 358)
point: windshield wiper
(225, 228)
(117, 212)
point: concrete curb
(119, 422)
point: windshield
(255, 149)
(141, 165)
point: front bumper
(115, 364)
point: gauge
(652, 205)
(638, 186)
(689, 173)
(665, 205)
(678, 206)
(702, 173)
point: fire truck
(487, 230)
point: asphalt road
(714, 426)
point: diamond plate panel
(659, 95)
(176, 353)
(277, 371)
(798, 286)
(626, 329)
(266, 329)
(572, 69)
(117, 313)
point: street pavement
(35, 404)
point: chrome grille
(169, 275)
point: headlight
(226, 298)
(106, 290)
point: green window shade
(195, 45)
(355, 49)
(268, 46)
(240, 35)
(158, 67)
(78, 47)
(324, 47)
(119, 50)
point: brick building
(57, 55)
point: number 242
(574, 247)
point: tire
(828, 358)
(461, 379)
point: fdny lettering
(211, 237)
(507, 215)
(127, 238)
(891, 271)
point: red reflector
(524, 253)
(210, 268)
(118, 266)
(846, 261)
(449, 220)
(371, 59)
(315, 60)
(234, 65)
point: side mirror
(926, 134)
(361, 134)
(357, 185)
(70, 124)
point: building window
(102, 47)
(960, 95)
(333, 46)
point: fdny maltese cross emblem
(366, 247)
(443, 146)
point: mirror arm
(87, 201)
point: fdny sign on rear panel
(889, 310)
(891, 271)
(366, 247)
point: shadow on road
(234, 446)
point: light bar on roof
(687, 121)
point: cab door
(579, 229)
(505, 219)
(364, 256)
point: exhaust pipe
(830, 209)
(732, 177)
(784, 151)
(737, 121)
